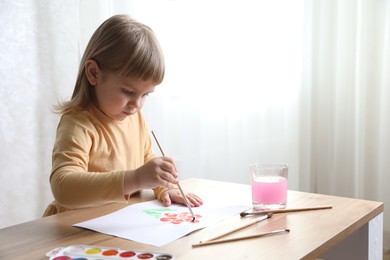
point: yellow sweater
(90, 156)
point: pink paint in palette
(86, 252)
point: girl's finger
(169, 168)
(165, 199)
(170, 161)
(169, 178)
(194, 200)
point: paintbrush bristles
(178, 185)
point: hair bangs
(145, 60)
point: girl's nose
(135, 103)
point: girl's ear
(92, 71)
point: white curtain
(346, 100)
(347, 96)
(299, 82)
(38, 57)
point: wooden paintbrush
(178, 185)
(262, 212)
(205, 243)
(257, 220)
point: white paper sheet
(153, 224)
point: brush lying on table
(216, 240)
(178, 185)
(262, 212)
(241, 227)
(205, 243)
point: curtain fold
(346, 80)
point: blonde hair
(120, 45)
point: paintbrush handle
(186, 200)
(239, 238)
(243, 214)
(297, 209)
(178, 185)
(240, 227)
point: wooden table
(352, 229)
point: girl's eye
(129, 93)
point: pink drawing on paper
(170, 216)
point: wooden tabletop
(312, 232)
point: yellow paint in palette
(92, 251)
(86, 252)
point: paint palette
(85, 252)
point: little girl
(103, 151)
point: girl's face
(119, 97)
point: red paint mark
(178, 218)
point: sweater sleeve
(71, 183)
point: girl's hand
(174, 195)
(160, 171)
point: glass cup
(269, 186)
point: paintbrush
(240, 238)
(262, 212)
(257, 220)
(178, 185)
